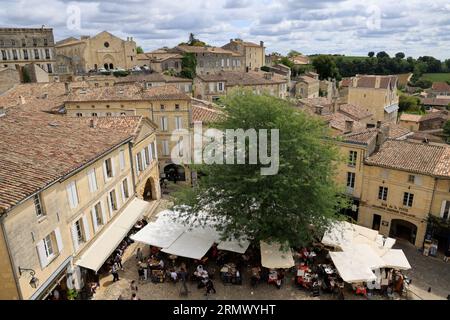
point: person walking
(134, 297)
(209, 287)
(139, 255)
(118, 260)
(133, 287)
(115, 272)
(183, 277)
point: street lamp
(34, 282)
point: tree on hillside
(139, 50)
(287, 62)
(382, 54)
(400, 55)
(371, 54)
(282, 207)
(293, 53)
(326, 67)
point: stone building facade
(255, 55)
(9, 77)
(213, 59)
(22, 46)
(103, 50)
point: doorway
(376, 222)
(404, 230)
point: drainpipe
(431, 204)
(13, 267)
(132, 166)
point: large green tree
(291, 206)
(326, 67)
(188, 66)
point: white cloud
(416, 27)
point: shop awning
(395, 258)
(273, 257)
(190, 245)
(97, 253)
(351, 270)
(160, 233)
(239, 246)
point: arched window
(111, 66)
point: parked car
(136, 68)
(146, 68)
(102, 70)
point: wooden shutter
(76, 245)
(59, 241)
(113, 167)
(72, 194)
(87, 232)
(150, 152)
(155, 150)
(103, 212)
(137, 165)
(122, 159)
(144, 163)
(444, 203)
(41, 253)
(108, 199)
(94, 219)
(105, 174)
(92, 180)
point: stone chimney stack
(261, 44)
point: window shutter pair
(92, 180)
(144, 163)
(43, 259)
(72, 194)
(122, 159)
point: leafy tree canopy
(188, 66)
(139, 50)
(325, 66)
(371, 54)
(280, 207)
(293, 53)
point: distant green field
(436, 77)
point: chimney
(93, 122)
(348, 126)
(382, 134)
(22, 100)
(261, 44)
(66, 87)
(231, 40)
(378, 124)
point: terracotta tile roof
(364, 136)
(422, 136)
(337, 121)
(440, 87)
(151, 77)
(38, 148)
(308, 79)
(126, 92)
(370, 81)
(440, 114)
(410, 117)
(397, 132)
(346, 82)
(436, 101)
(355, 112)
(421, 158)
(216, 50)
(237, 78)
(164, 57)
(300, 60)
(205, 114)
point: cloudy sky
(351, 27)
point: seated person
(161, 264)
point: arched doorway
(404, 230)
(175, 172)
(105, 66)
(149, 190)
(111, 66)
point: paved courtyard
(426, 272)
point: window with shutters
(99, 214)
(382, 193)
(411, 178)
(92, 179)
(352, 158)
(47, 54)
(25, 54)
(408, 199)
(79, 228)
(445, 214)
(147, 156)
(48, 246)
(14, 54)
(38, 205)
(126, 193)
(36, 54)
(139, 162)
(122, 159)
(178, 123)
(350, 180)
(164, 126)
(72, 194)
(220, 86)
(113, 199)
(153, 145)
(108, 167)
(165, 147)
